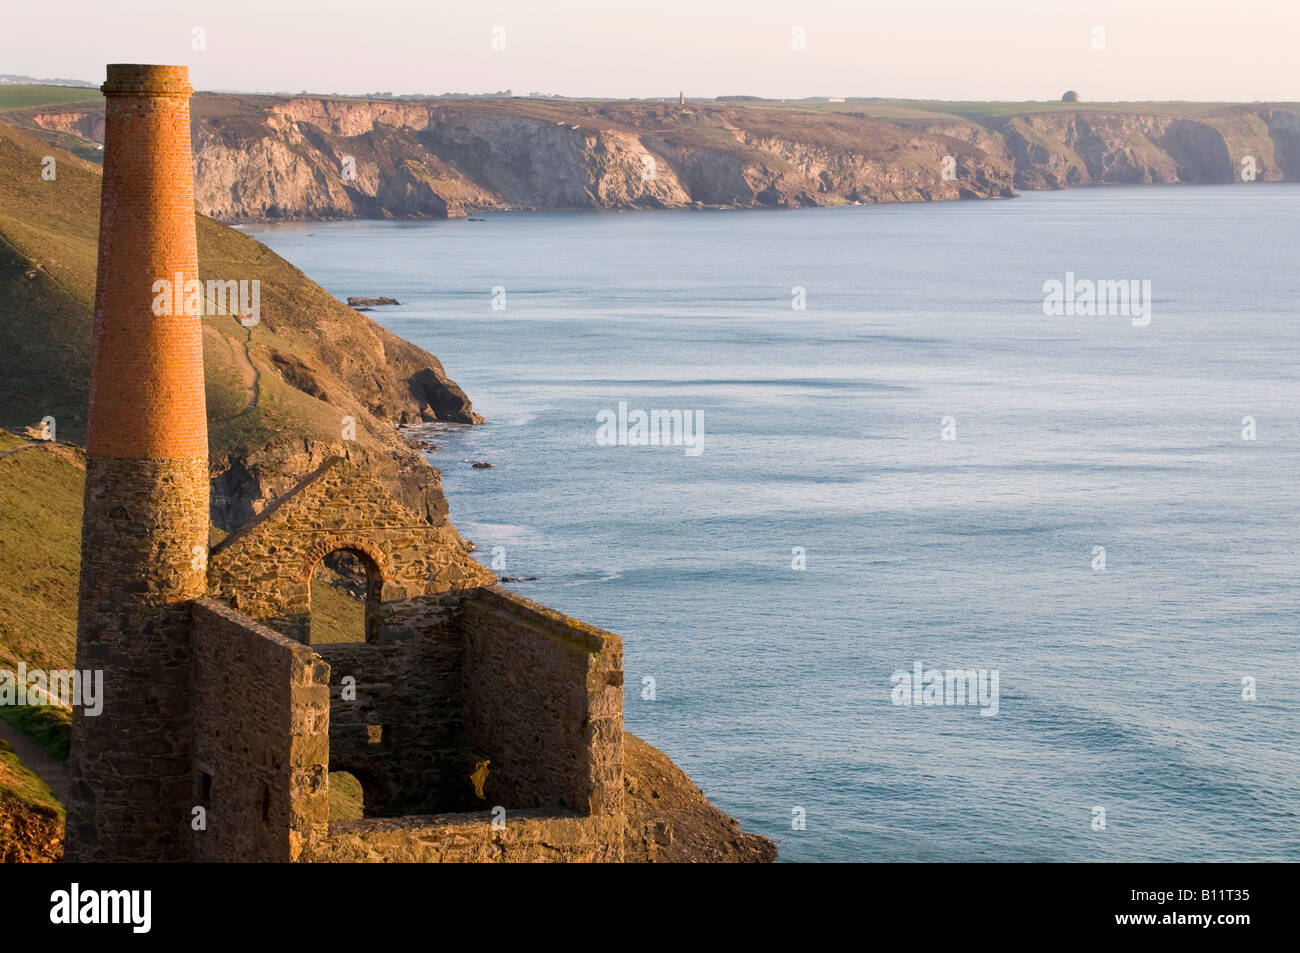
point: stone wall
(261, 740)
(264, 570)
(544, 703)
(527, 837)
(403, 734)
(454, 673)
(491, 677)
(143, 535)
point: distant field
(16, 97)
(933, 109)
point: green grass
(19, 97)
(49, 233)
(47, 725)
(994, 113)
(15, 778)
(346, 800)
(40, 550)
(70, 142)
(335, 615)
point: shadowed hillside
(278, 392)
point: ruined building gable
(264, 570)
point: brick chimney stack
(145, 526)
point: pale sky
(1245, 50)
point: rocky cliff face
(670, 821)
(86, 123)
(317, 158)
(260, 158)
(267, 158)
(1058, 150)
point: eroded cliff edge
(316, 157)
(414, 161)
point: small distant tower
(145, 525)
(681, 98)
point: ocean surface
(1119, 688)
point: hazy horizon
(1008, 50)
(595, 97)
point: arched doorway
(347, 797)
(344, 596)
(354, 793)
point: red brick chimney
(145, 527)
(146, 385)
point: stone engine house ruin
(482, 726)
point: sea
(904, 461)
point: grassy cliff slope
(278, 392)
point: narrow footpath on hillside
(36, 760)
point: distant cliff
(267, 158)
(318, 158)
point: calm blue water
(1119, 688)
